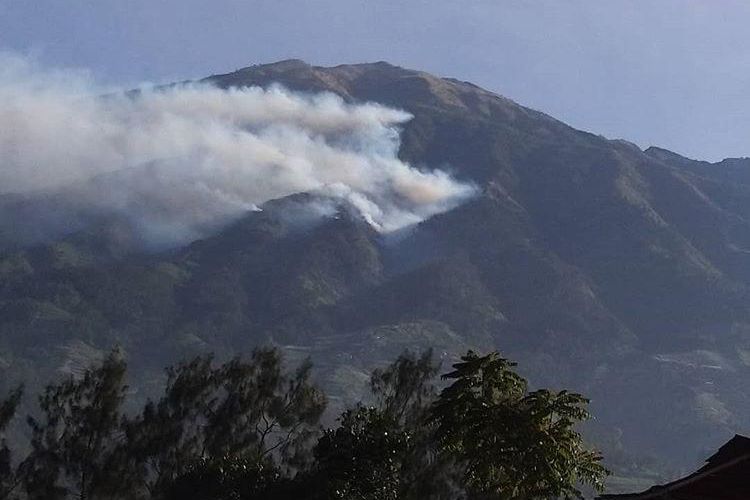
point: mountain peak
(667, 155)
(280, 66)
(596, 265)
(386, 84)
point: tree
(245, 430)
(167, 438)
(405, 388)
(405, 391)
(387, 451)
(75, 443)
(9, 476)
(512, 443)
(375, 451)
(251, 412)
(264, 412)
(228, 478)
(362, 458)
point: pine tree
(76, 442)
(251, 413)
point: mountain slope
(620, 273)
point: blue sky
(674, 73)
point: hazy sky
(674, 73)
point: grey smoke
(177, 160)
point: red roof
(726, 476)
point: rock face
(618, 272)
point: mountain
(621, 273)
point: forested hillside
(620, 273)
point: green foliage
(513, 443)
(404, 389)
(264, 410)
(166, 439)
(9, 477)
(388, 451)
(224, 478)
(250, 408)
(78, 435)
(362, 458)
(248, 429)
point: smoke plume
(177, 160)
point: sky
(672, 73)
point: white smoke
(180, 158)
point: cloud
(181, 159)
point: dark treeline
(250, 429)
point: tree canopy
(250, 428)
(513, 443)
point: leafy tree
(362, 458)
(9, 477)
(245, 430)
(368, 455)
(264, 411)
(75, 443)
(248, 410)
(167, 438)
(387, 451)
(512, 443)
(226, 478)
(405, 389)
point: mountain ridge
(618, 272)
